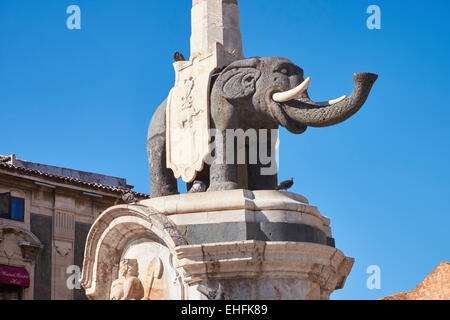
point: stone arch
(19, 248)
(27, 236)
(109, 235)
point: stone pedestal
(220, 245)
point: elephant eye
(248, 79)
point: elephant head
(277, 90)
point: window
(4, 205)
(11, 207)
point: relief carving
(187, 116)
(154, 271)
(127, 286)
(188, 111)
(18, 244)
(63, 248)
(29, 250)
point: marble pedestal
(235, 244)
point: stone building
(436, 286)
(45, 215)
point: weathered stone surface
(436, 286)
(216, 21)
(127, 286)
(219, 89)
(58, 210)
(189, 247)
(19, 247)
(241, 98)
(228, 243)
(244, 215)
(188, 116)
(127, 232)
(255, 270)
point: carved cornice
(28, 242)
(321, 264)
(30, 250)
(233, 200)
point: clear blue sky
(83, 99)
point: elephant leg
(258, 181)
(223, 173)
(202, 176)
(263, 175)
(162, 179)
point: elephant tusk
(293, 93)
(328, 103)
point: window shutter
(5, 205)
(17, 209)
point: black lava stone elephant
(254, 93)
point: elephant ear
(238, 83)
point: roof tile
(68, 180)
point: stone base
(219, 245)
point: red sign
(14, 276)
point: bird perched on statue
(178, 56)
(129, 197)
(198, 186)
(286, 185)
(168, 189)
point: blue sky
(83, 99)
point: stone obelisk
(216, 21)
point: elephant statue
(254, 93)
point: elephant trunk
(303, 111)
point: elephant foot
(224, 186)
(163, 191)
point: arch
(109, 236)
(27, 236)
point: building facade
(436, 286)
(45, 216)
